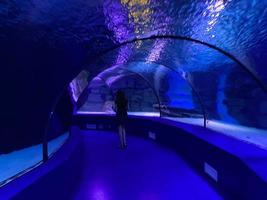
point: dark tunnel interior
(194, 63)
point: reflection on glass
(55, 144)
(101, 90)
(191, 80)
(78, 84)
(15, 162)
(59, 124)
(99, 97)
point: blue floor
(144, 171)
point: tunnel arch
(59, 36)
(187, 81)
(191, 86)
(45, 154)
(178, 74)
(119, 66)
(236, 62)
(148, 83)
(103, 81)
(183, 38)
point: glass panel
(59, 124)
(140, 95)
(99, 97)
(206, 69)
(175, 94)
(239, 27)
(18, 160)
(229, 94)
(78, 85)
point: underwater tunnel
(193, 72)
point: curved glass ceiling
(190, 79)
(238, 27)
(227, 91)
(102, 89)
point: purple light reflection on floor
(144, 171)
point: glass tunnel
(194, 76)
(180, 80)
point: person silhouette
(121, 107)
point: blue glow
(222, 109)
(179, 93)
(15, 162)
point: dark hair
(120, 95)
(121, 100)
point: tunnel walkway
(143, 171)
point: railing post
(45, 144)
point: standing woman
(121, 105)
